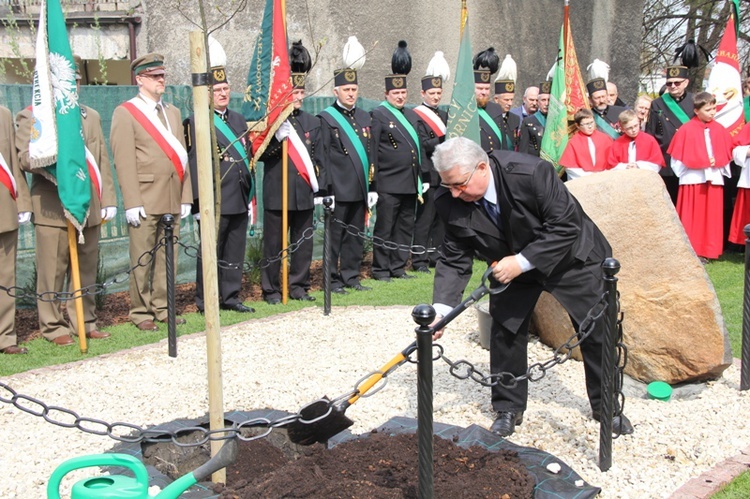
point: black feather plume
(690, 54)
(299, 58)
(401, 60)
(487, 59)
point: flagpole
(75, 273)
(464, 16)
(566, 18)
(284, 222)
(208, 242)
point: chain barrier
(620, 363)
(92, 289)
(414, 249)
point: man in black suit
(490, 114)
(231, 130)
(345, 139)
(428, 230)
(302, 131)
(509, 122)
(606, 116)
(401, 177)
(512, 209)
(532, 127)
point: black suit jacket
(663, 124)
(235, 183)
(300, 195)
(510, 124)
(397, 159)
(490, 141)
(345, 177)
(431, 142)
(530, 136)
(540, 219)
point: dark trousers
(299, 267)
(395, 222)
(230, 249)
(428, 231)
(577, 289)
(347, 248)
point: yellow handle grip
(372, 380)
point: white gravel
(289, 360)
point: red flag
(268, 98)
(575, 97)
(725, 82)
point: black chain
(463, 369)
(621, 362)
(92, 289)
(414, 249)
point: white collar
(491, 193)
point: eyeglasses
(156, 77)
(588, 124)
(463, 185)
(673, 83)
(221, 90)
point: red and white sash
(301, 159)
(6, 177)
(94, 173)
(432, 119)
(163, 137)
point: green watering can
(123, 487)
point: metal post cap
(423, 314)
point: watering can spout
(226, 456)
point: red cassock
(741, 214)
(577, 154)
(701, 206)
(646, 149)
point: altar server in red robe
(634, 149)
(588, 149)
(741, 215)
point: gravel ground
(287, 361)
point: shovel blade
(318, 422)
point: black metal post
(745, 361)
(611, 268)
(424, 315)
(327, 213)
(168, 221)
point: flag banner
(576, 95)
(463, 116)
(268, 96)
(725, 82)
(56, 147)
(555, 137)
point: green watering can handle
(123, 460)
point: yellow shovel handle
(372, 380)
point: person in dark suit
(428, 230)
(509, 123)
(231, 130)
(605, 115)
(512, 208)
(667, 114)
(532, 127)
(346, 141)
(302, 131)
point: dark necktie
(492, 211)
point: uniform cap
(149, 64)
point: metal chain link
(92, 289)
(414, 249)
(463, 369)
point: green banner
(555, 137)
(463, 119)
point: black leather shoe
(505, 423)
(272, 300)
(424, 270)
(340, 291)
(621, 425)
(359, 287)
(238, 307)
(405, 276)
(384, 278)
(304, 297)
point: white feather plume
(551, 74)
(354, 54)
(508, 69)
(438, 66)
(598, 69)
(216, 53)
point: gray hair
(458, 151)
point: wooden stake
(75, 273)
(208, 244)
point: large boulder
(673, 326)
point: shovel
(322, 419)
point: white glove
(250, 213)
(425, 188)
(24, 217)
(108, 213)
(283, 131)
(134, 215)
(185, 210)
(197, 217)
(372, 199)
